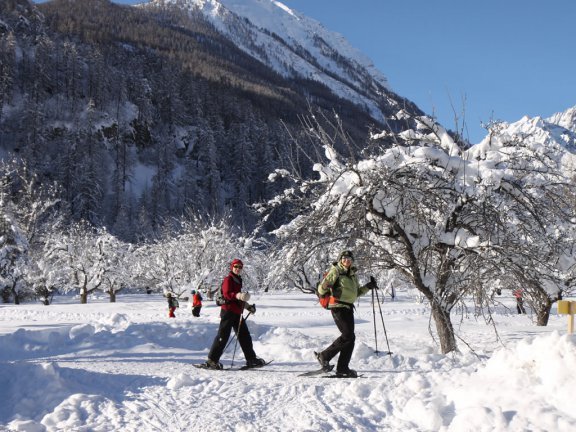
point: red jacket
(196, 300)
(231, 286)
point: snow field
(126, 366)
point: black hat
(346, 253)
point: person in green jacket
(172, 305)
(342, 284)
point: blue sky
(477, 60)
(491, 59)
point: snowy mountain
(559, 129)
(296, 46)
(180, 104)
(566, 119)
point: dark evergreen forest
(141, 115)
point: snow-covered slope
(559, 129)
(126, 367)
(566, 119)
(295, 46)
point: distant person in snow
(172, 305)
(518, 293)
(342, 283)
(196, 303)
(235, 301)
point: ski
(317, 371)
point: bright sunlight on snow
(126, 366)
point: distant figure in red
(196, 303)
(519, 300)
(172, 305)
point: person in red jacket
(519, 293)
(196, 303)
(230, 318)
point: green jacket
(173, 302)
(343, 283)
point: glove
(372, 284)
(250, 308)
(243, 296)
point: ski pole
(374, 320)
(238, 335)
(383, 325)
(235, 335)
(230, 341)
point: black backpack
(220, 300)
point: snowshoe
(210, 364)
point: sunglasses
(237, 266)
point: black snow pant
(196, 311)
(520, 306)
(344, 319)
(228, 321)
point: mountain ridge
(297, 46)
(558, 129)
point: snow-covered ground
(128, 367)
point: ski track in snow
(126, 366)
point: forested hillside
(139, 115)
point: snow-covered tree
(27, 213)
(211, 246)
(533, 247)
(161, 266)
(116, 259)
(81, 250)
(447, 219)
(196, 256)
(13, 256)
(45, 278)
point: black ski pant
(344, 319)
(520, 306)
(228, 321)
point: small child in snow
(172, 305)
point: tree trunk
(5, 294)
(112, 296)
(542, 309)
(83, 296)
(15, 294)
(541, 303)
(444, 328)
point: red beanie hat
(236, 262)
